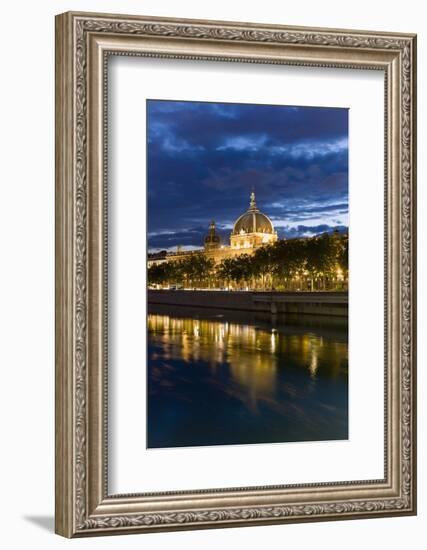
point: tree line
(316, 263)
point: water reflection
(217, 378)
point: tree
(263, 262)
(289, 260)
(225, 271)
(195, 270)
(161, 273)
(316, 263)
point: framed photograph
(235, 274)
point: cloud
(309, 231)
(301, 149)
(204, 159)
(211, 124)
(243, 143)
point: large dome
(253, 221)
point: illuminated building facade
(251, 230)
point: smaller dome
(212, 239)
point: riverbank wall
(332, 304)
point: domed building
(252, 229)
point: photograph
(247, 273)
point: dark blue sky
(204, 159)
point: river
(222, 378)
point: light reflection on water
(214, 380)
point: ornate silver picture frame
(84, 42)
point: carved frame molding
(83, 43)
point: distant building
(157, 257)
(251, 230)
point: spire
(252, 205)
